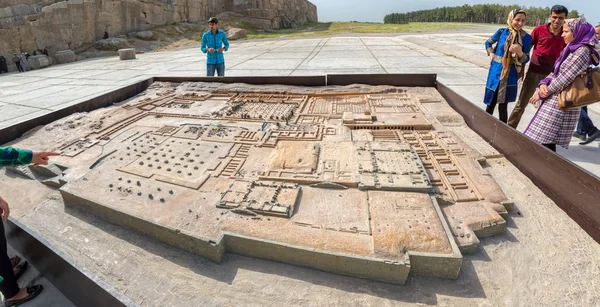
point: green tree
(480, 13)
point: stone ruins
(27, 25)
(372, 182)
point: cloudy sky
(375, 10)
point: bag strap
(593, 54)
(590, 70)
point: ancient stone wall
(26, 25)
(274, 14)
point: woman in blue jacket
(508, 63)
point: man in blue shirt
(214, 43)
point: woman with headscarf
(508, 62)
(551, 126)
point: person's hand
(211, 50)
(42, 157)
(492, 57)
(221, 49)
(544, 91)
(4, 209)
(534, 98)
(516, 49)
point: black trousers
(8, 286)
(551, 146)
(19, 67)
(502, 109)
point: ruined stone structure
(26, 25)
(274, 14)
(376, 183)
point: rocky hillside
(27, 25)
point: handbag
(584, 91)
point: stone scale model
(370, 182)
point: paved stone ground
(543, 259)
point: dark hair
(213, 20)
(558, 9)
(516, 12)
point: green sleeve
(15, 156)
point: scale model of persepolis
(373, 182)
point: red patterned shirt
(548, 47)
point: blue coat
(493, 80)
(216, 41)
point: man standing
(586, 131)
(17, 60)
(548, 43)
(214, 43)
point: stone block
(236, 33)
(127, 54)
(65, 56)
(144, 34)
(40, 61)
(112, 44)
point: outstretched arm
(15, 156)
(42, 157)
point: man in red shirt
(548, 44)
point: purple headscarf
(583, 34)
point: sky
(375, 10)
